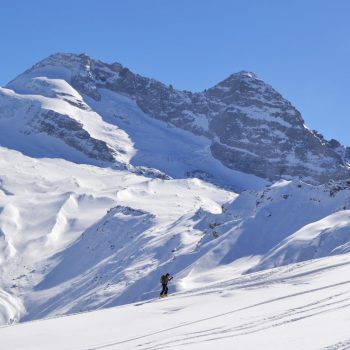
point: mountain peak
(80, 61)
(79, 70)
(246, 121)
(243, 74)
(56, 66)
(62, 58)
(240, 78)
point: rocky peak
(242, 77)
(246, 88)
(61, 66)
(251, 127)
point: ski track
(310, 292)
(292, 315)
(343, 345)
(247, 328)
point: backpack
(164, 279)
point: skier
(164, 281)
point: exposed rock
(252, 128)
(72, 133)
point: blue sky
(301, 48)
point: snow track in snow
(302, 306)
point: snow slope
(53, 211)
(300, 306)
(80, 237)
(324, 237)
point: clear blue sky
(300, 47)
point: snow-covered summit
(248, 126)
(247, 76)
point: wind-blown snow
(48, 204)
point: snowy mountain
(108, 179)
(97, 108)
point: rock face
(72, 133)
(252, 128)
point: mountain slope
(48, 205)
(48, 118)
(102, 236)
(246, 124)
(302, 306)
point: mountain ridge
(250, 127)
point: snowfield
(300, 306)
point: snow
(301, 306)
(266, 115)
(35, 82)
(72, 199)
(116, 138)
(11, 308)
(100, 237)
(199, 120)
(43, 86)
(327, 236)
